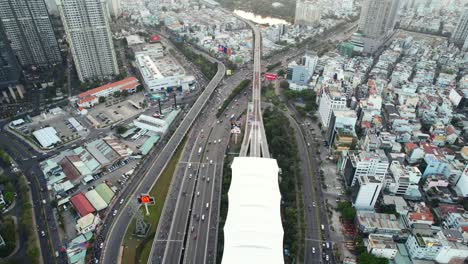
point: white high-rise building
(369, 164)
(114, 8)
(307, 13)
(378, 18)
(345, 5)
(460, 34)
(369, 191)
(404, 176)
(330, 100)
(87, 28)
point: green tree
(281, 72)
(117, 94)
(140, 88)
(121, 129)
(125, 93)
(284, 84)
(121, 76)
(102, 99)
(8, 196)
(367, 258)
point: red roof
(416, 216)
(125, 81)
(155, 38)
(82, 204)
(409, 146)
(464, 228)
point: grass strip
(137, 250)
(242, 85)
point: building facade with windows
(88, 33)
(29, 29)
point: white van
(203, 217)
(207, 205)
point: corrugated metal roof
(96, 200)
(149, 143)
(105, 192)
(82, 205)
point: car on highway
(207, 205)
(190, 176)
(211, 161)
(121, 201)
(327, 258)
(313, 250)
(203, 217)
(208, 179)
(198, 193)
(114, 213)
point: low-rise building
(423, 247)
(47, 137)
(87, 223)
(368, 222)
(382, 246)
(456, 220)
(161, 74)
(90, 98)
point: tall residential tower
(378, 18)
(307, 13)
(9, 70)
(89, 36)
(29, 30)
(460, 33)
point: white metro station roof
(253, 232)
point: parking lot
(117, 109)
(57, 119)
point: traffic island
(136, 249)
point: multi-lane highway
(187, 230)
(119, 225)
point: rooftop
(254, 192)
(381, 241)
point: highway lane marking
(202, 100)
(178, 199)
(209, 214)
(199, 221)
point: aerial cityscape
(233, 131)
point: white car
(190, 176)
(114, 213)
(42, 233)
(122, 201)
(211, 161)
(313, 250)
(101, 245)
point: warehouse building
(82, 205)
(47, 137)
(105, 192)
(96, 200)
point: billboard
(270, 76)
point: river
(259, 19)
